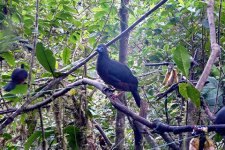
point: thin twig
(159, 64)
(98, 127)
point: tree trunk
(58, 115)
(120, 117)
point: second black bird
(220, 119)
(18, 76)
(116, 74)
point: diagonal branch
(158, 126)
(98, 127)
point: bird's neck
(103, 56)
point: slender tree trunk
(87, 126)
(120, 117)
(123, 25)
(58, 115)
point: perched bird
(116, 74)
(220, 119)
(18, 76)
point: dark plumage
(18, 76)
(116, 74)
(220, 119)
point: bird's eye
(101, 49)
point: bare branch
(214, 47)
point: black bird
(116, 74)
(18, 76)
(220, 119)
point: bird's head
(101, 49)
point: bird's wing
(121, 72)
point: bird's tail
(10, 86)
(136, 97)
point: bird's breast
(102, 66)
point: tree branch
(157, 126)
(214, 47)
(98, 127)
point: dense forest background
(176, 51)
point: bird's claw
(106, 89)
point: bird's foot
(106, 89)
(119, 96)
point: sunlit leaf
(66, 56)
(9, 58)
(181, 2)
(194, 95)
(183, 90)
(45, 58)
(187, 90)
(182, 59)
(20, 89)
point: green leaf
(182, 59)
(45, 58)
(73, 136)
(66, 56)
(98, 9)
(74, 37)
(35, 136)
(187, 90)
(181, 2)
(23, 118)
(218, 137)
(58, 74)
(20, 89)
(6, 136)
(174, 20)
(157, 31)
(31, 139)
(194, 95)
(183, 90)
(9, 58)
(11, 97)
(212, 91)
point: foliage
(9, 58)
(73, 137)
(182, 59)
(189, 91)
(45, 58)
(213, 94)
